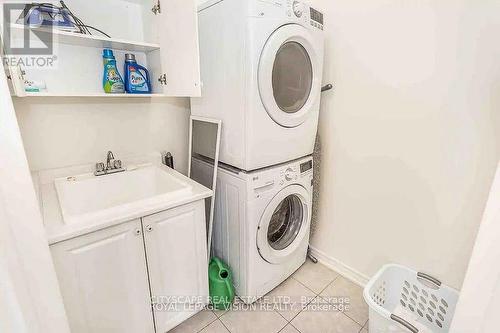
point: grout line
(288, 324)
(224, 325)
(354, 321)
(345, 314)
(328, 285)
(281, 329)
(226, 311)
(312, 300)
(210, 323)
(305, 286)
(287, 321)
(364, 327)
(295, 328)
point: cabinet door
(104, 282)
(177, 26)
(176, 248)
(14, 73)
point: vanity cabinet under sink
(122, 278)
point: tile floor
(313, 294)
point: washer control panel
(300, 172)
(288, 174)
(292, 172)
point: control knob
(298, 9)
(289, 174)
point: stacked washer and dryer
(261, 63)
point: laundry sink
(86, 197)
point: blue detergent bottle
(136, 77)
(112, 82)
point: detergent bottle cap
(107, 53)
(129, 57)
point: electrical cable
(79, 24)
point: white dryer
(262, 222)
(261, 68)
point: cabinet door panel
(178, 38)
(177, 258)
(103, 280)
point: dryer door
(284, 224)
(289, 78)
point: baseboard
(338, 266)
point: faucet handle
(99, 167)
(117, 164)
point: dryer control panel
(299, 10)
(316, 18)
(294, 10)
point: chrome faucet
(111, 166)
(109, 160)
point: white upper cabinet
(162, 34)
(178, 36)
(104, 282)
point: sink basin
(87, 197)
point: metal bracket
(156, 8)
(312, 257)
(163, 79)
(327, 87)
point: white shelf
(94, 95)
(71, 38)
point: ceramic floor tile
(219, 313)
(253, 318)
(315, 276)
(341, 290)
(196, 322)
(215, 327)
(365, 328)
(289, 329)
(289, 298)
(324, 320)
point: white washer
(261, 68)
(262, 222)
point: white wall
(481, 286)
(411, 133)
(61, 132)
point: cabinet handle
(149, 228)
(163, 79)
(137, 231)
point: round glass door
(289, 75)
(285, 223)
(292, 77)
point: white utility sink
(87, 198)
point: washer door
(288, 80)
(283, 225)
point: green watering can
(220, 283)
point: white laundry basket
(402, 300)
